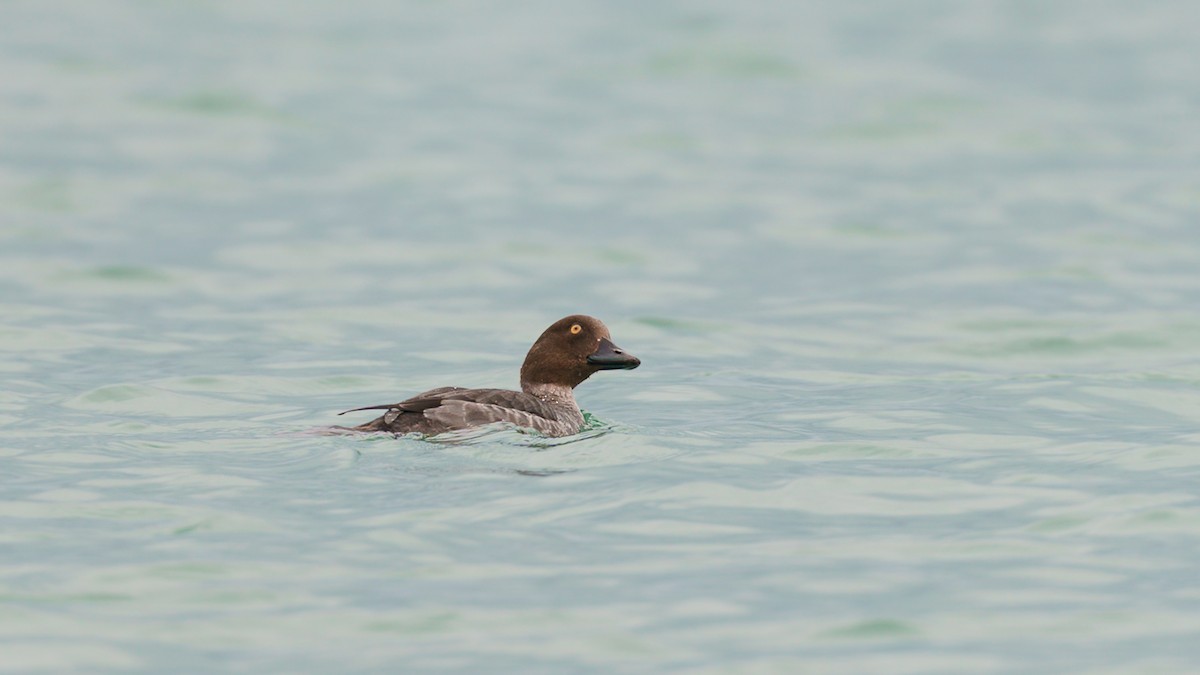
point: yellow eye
(575, 328)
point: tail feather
(371, 407)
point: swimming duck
(567, 353)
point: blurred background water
(914, 285)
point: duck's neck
(554, 394)
(561, 400)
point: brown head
(570, 350)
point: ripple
(874, 630)
(141, 399)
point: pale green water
(914, 285)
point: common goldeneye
(567, 353)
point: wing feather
(447, 408)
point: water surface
(914, 286)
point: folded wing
(448, 408)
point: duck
(570, 351)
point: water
(914, 286)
